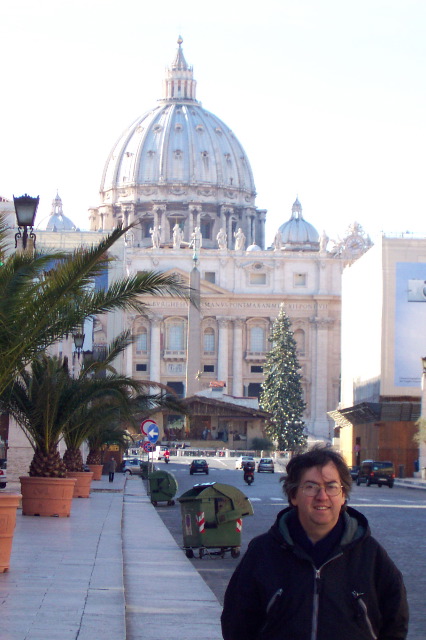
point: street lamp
(78, 338)
(26, 209)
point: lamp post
(25, 209)
(78, 337)
(422, 445)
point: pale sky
(327, 98)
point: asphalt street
(396, 516)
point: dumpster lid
(237, 498)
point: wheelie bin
(162, 487)
(144, 470)
(212, 519)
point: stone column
(222, 356)
(319, 391)
(237, 358)
(225, 222)
(155, 351)
(193, 348)
(194, 211)
(159, 211)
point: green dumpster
(162, 487)
(144, 470)
(212, 519)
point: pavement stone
(110, 570)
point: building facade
(182, 179)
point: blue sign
(153, 433)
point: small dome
(57, 221)
(253, 247)
(297, 234)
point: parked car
(239, 462)
(199, 466)
(3, 473)
(266, 464)
(132, 467)
(354, 471)
(376, 472)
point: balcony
(174, 355)
(255, 356)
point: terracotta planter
(97, 470)
(82, 484)
(9, 502)
(47, 496)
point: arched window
(257, 339)
(141, 340)
(209, 340)
(175, 337)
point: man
(112, 465)
(317, 574)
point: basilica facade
(182, 179)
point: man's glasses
(311, 489)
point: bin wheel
(200, 553)
(235, 552)
(222, 552)
(154, 502)
(189, 553)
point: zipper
(273, 600)
(363, 607)
(317, 591)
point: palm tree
(36, 310)
(111, 399)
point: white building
(182, 178)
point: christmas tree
(282, 394)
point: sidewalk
(112, 570)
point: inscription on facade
(249, 304)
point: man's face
(318, 514)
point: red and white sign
(239, 525)
(146, 425)
(147, 446)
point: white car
(240, 462)
(3, 473)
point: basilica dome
(179, 166)
(180, 144)
(297, 234)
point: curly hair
(317, 456)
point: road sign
(153, 433)
(147, 446)
(146, 424)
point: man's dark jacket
(277, 593)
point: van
(376, 472)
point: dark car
(376, 472)
(354, 471)
(199, 466)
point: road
(397, 518)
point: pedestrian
(112, 465)
(318, 573)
